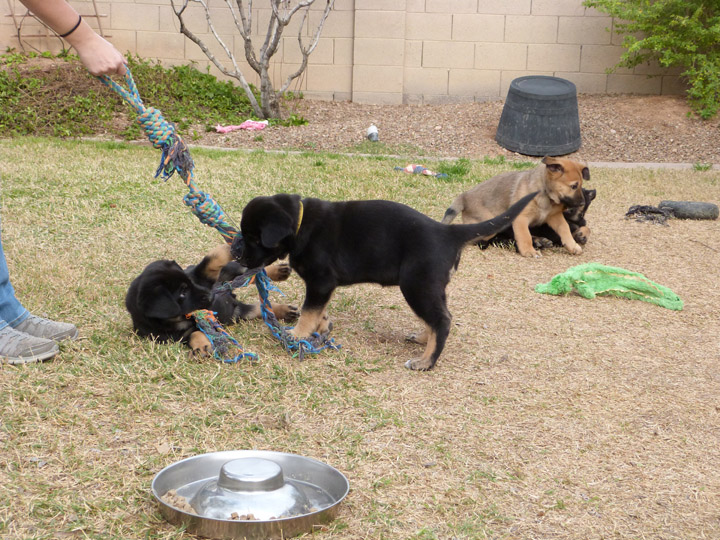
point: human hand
(98, 55)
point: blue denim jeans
(12, 311)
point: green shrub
(58, 97)
(675, 33)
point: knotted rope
(176, 158)
(225, 347)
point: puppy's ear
(160, 304)
(275, 230)
(586, 173)
(281, 224)
(552, 165)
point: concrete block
(413, 54)
(281, 74)
(195, 53)
(321, 96)
(261, 21)
(330, 78)
(584, 30)
(415, 6)
(378, 98)
(506, 77)
(165, 45)
(474, 27)
(600, 58)
(381, 5)
(448, 54)
(377, 79)
(343, 52)
(428, 26)
(475, 83)
(633, 84)
(339, 24)
(586, 83)
(222, 20)
(140, 17)
(673, 85)
(531, 29)
(558, 7)
(379, 52)
(323, 53)
(501, 56)
(505, 7)
(426, 80)
(553, 57)
(446, 99)
(649, 68)
(124, 41)
(412, 99)
(380, 24)
(451, 6)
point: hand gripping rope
(176, 158)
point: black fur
(331, 244)
(159, 299)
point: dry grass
(546, 417)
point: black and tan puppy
(159, 299)
(543, 236)
(331, 244)
(559, 182)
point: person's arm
(98, 55)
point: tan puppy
(559, 182)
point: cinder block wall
(384, 51)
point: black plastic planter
(540, 117)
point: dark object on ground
(540, 117)
(653, 214)
(690, 209)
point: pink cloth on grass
(249, 125)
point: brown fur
(559, 182)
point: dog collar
(300, 216)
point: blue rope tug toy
(176, 158)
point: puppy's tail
(455, 208)
(489, 228)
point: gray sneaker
(44, 328)
(20, 348)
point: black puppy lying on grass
(331, 244)
(162, 296)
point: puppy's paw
(202, 352)
(581, 235)
(574, 248)
(200, 346)
(279, 271)
(325, 325)
(540, 242)
(286, 312)
(419, 364)
(419, 338)
(296, 334)
(531, 253)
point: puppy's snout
(238, 247)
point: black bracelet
(66, 34)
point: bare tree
(259, 60)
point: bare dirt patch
(623, 128)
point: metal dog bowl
(249, 494)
